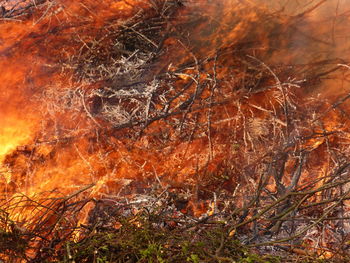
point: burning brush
(173, 131)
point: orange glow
(31, 68)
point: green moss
(148, 242)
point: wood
(13, 8)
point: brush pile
(246, 160)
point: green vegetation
(143, 240)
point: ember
(150, 118)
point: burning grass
(194, 150)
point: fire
(83, 103)
(12, 136)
